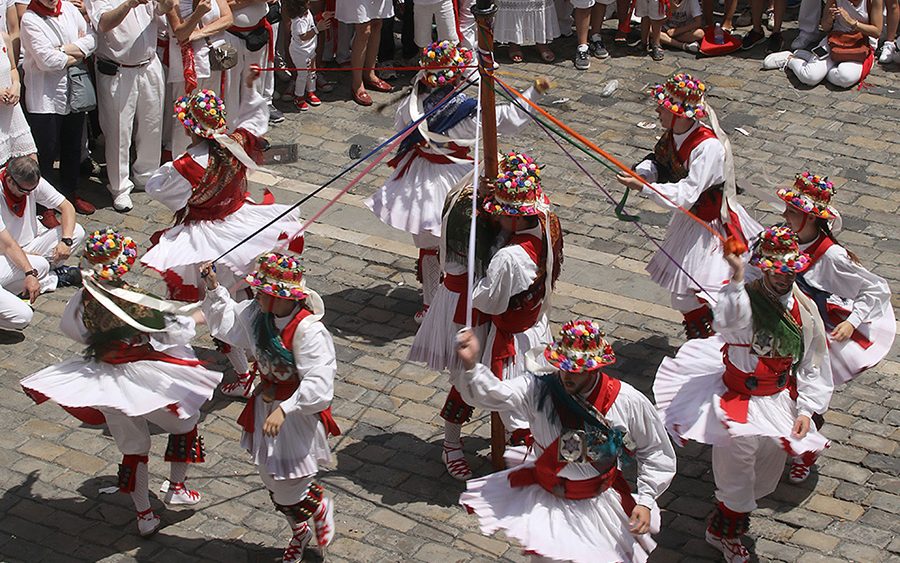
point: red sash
(14, 202)
(693, 140)
(264, 22)
(187, 64)
(770, 377)
(518, 320)
(222, 204)
(457, 152)
(459, 283)
(835, 313)
(282, 390)
(545, 471)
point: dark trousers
(59, 137)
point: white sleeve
(317, 364)
(845, 278)
(815, 383)
(509, 273)
(71, 324)
(37, 44)
(180, 330)
(228, 320)
(481, 388)
(732, 315)
(47, 195)
(510, 119)
(647, 170)
(169, 187)
(87, 39)
(653, 450)
(706, 167)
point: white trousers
(809, 16)
(811, 70)
(132, 435)
(747, 469)
(16, 314)
(131, 107)
(466, 22)
(305, 80)
(234, 75)
(285, 491)
(442, 14)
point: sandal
(378, 85)
(515, 54)
(362, 98)
(546, 53)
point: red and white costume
(569, 511)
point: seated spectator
(683, 30)
(525, 22)
(15, 136)
(841, 17)
(32, 255)
(55, 36)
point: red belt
(508, 325)
(459, 283)
(261, 23)
(572, 489)
(282, 391)
(457, 152)
(206, 212)
(771, 376)
(837, 315)
(123, 354)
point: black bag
(255, 39)
(274, 15)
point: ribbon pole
(470, 273)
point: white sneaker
(148, 523)
(122, 203)
(776, 60)
(803, 40)
(732, 548)
(179, 494)
(888, 53)
(692, 47)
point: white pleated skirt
(526, 22)
(435, 342)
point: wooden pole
(484, 11)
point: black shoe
(633, 39)
(775, 44)
(68, 276)
(656, 53)
(582, 62)
(752, 39)
(275, 114)
(598, 50)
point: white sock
(141, 494)
(431, 277)
(596, 37)
(452, 433)
(177, 472)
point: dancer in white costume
(435, 342)
(572, 503)
(434, 157)
(692, 166)
(854, 303)
(206, 187)
(751, 390)
(138, 368)
(287, 421)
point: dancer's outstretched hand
(468, 349)
(208, 273)
(273, 423)
(640, 520)
(737, 266)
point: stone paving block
(835, 507)
(815, 540)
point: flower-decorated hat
(517, 192)
(279, 275)
(202, 113)
(683, 95)
(581, 347)
(778, 250)
(444, 54)
(810, 194)
(109, 254)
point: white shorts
(363, 11)
(649, 9)
(586, 4)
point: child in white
(302, 51)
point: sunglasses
(19, 186)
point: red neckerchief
(818, 248)
(16, 203)
(44, 11)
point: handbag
(80, 93)
(222, 56)
(274, 14)
(848, 47)
(255, 39)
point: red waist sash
(459, 283)
(122, 353)
(709, 208)
(837, 315)
(508, 325)
(572, 489)
(771, 376)
(457, 152)
(280, 391)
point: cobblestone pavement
(394, 501)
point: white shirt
(46, 79)
(683, 14)
(131, 42)
(25, 228)
(300, 26)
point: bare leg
(372, 48)
(358, 54)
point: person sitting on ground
(684, 28)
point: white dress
(867, 297)
(689, 387)
(526, 22)
(15, 134)
(363, 11)
(687, 241)
(133, 388)
(414, 201)
(587, 531)
(183, 247)
(301, 445)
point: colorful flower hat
(109, 254)
(517, 192)
(581, 347)
(202, 113)
(811, 194)
(778, 250)
(683, 95)
(279, 275)
(444, 54)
